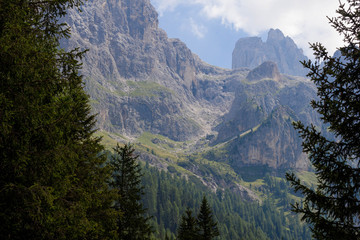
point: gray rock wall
(252, 51)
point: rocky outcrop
(275, 144)
(258, 128)
(267, 70)
(252, 51)
(243, 115)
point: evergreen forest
(168, 196)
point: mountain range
(181, 112)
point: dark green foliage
(132, 224)
(333, 208)
(188, 228)
(207, 226)
(169, 196)
(203, 228)
(52, 180)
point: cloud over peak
(303, 20)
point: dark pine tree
(132, 224)
(207, 226)
(188, 229)
(52, 179)
(333, 207)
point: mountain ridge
(141, 82)
(252, 52)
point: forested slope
(167, 196)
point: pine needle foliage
(52, 178)
(204, 227)
(207, 225)
(132, 224)
(333, 208)
(188, 228)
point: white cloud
(197, 29)
(303, 20)
(165, 5)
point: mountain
(140, 79)
(182, 112)
(252, 51)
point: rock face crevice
(252, 51)
(140, 81)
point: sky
(210, 28)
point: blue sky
(210, 28)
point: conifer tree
(188, 229)
(52, 179)
(207, 226)
(333, 207)
(132, 224)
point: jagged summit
(275, 35)
(252, 51)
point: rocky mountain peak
(275, 35)
(266, 70)
(251, 52)
(126, 35)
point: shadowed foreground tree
(188, 229)
(203, 227)
(333, 208)
(52, 179)
(132, 224)
(207, 226)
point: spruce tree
(333, 207)
(132, 224)
(188, 229)
(207, 226)
(52, 178)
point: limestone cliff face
(251, 52)
(258, 126)
(125, 34)
(274, 144)
(141, 81)
(126, 48)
